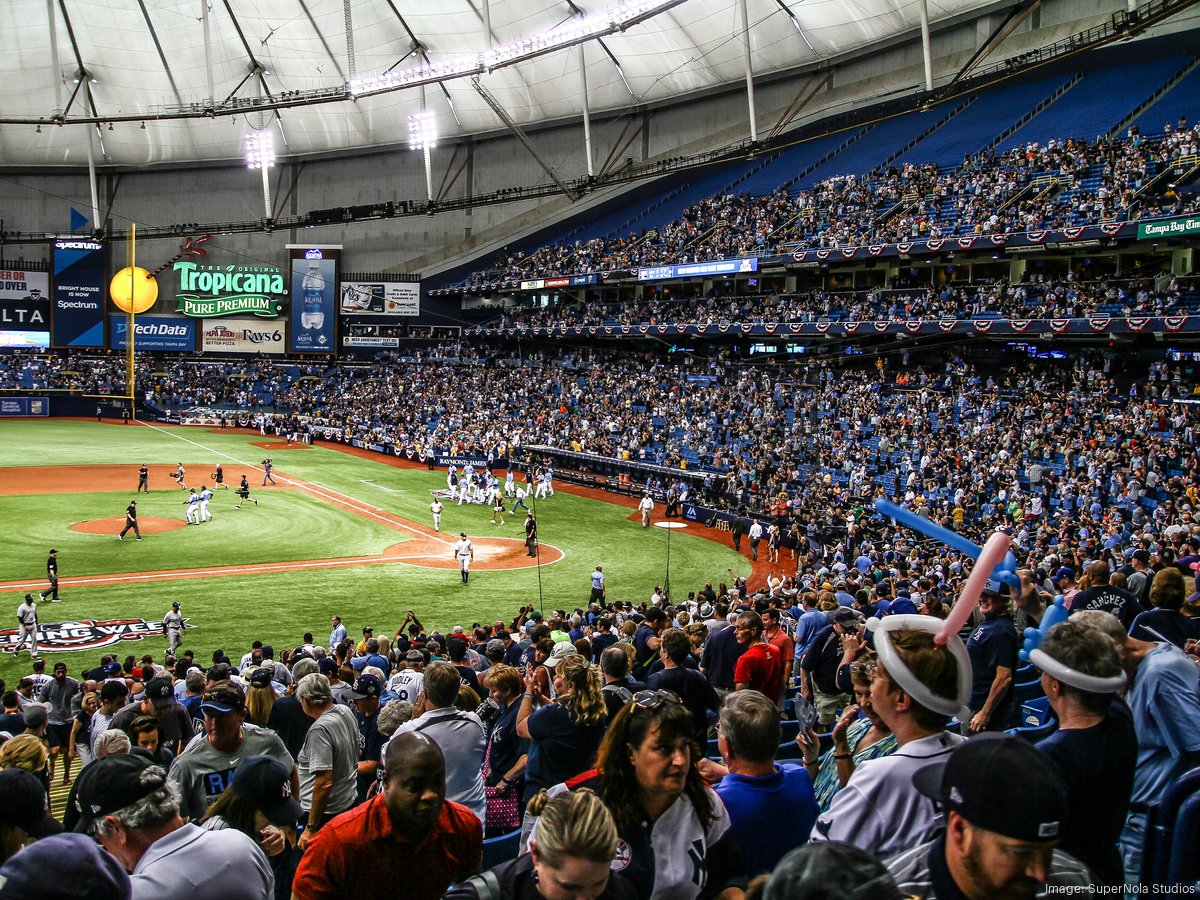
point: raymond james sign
(207, 291)
(1168, 228)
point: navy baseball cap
(267, 784)
(112, 668)
(23, 803)
(326, 666)
(365, 686)
(160, 691)
(113, 783)
(223, 697)
(261, 678)
(81, 870)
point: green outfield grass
(230, 612)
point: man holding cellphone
(821, 661)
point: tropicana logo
(211, 291)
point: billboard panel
(24, 308)
(78, 294)
(314, 291)
(242, 336)
(381, 298)
(154, 333)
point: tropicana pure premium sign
(209, 291)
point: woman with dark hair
(674, 828)
(1166, 621)
(259, 804)
(146, 732)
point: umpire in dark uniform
(130, 522)
(143, 479)
(531, 535)
(741, 527)
(52, 577)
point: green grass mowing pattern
(278, 608)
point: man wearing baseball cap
(207, 766)
(1004, 803)
(159, 701)
(364, 697)
(128, 804)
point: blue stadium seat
(501, 849)
(1160, 828)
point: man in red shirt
(410, 828)
(760, 668)
(779, 639)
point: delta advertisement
(314, 298)
(243, 336)
(79, 291)
(381, 299)
(24, 308)
(153, 333)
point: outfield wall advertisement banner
(314, 298)
(243, 336)
(213, 290)
(24, 308)
(153, 333)
(381, 299)
(22, 407)
(79, 285)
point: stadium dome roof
(121, 63)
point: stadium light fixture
(260, 154)
(260, 149)
(422, 130)
(574, 31)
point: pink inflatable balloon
(993, 554)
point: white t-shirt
(407, 684)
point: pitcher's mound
(490, 553)
(148, 525)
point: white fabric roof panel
(302, 47)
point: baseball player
(452, 481)
(173, 627)
(267, 467)
(219, 478)
(436, 508)
(243, 493)
(193, 508)
(464, 552)
(550, 480)
(52, 577)
(205, 496)
(179, 476)
(130, 521)
(542, 485)
(510, 484)
(143, 479)
(27, 618)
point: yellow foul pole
(130, 334)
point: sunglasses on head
(654, 699)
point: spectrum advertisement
(314, 298)
(79, 290)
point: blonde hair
(586, 699)
(575, 825)
(25, 751)
(259, 701)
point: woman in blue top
(1165, 621)
(564, 734)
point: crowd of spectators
(1037, 298)
(646, 748)
(1063, 182)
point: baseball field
(341, 532)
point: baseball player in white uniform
(205, 495)
(436, 508)
(193, 508)
(179, 476)
(510, 484)
(27, 618)
(540, 492)
(550, 480)
(464, 552)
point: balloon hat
(993, 562)
(1056, 613)
(908, 682)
